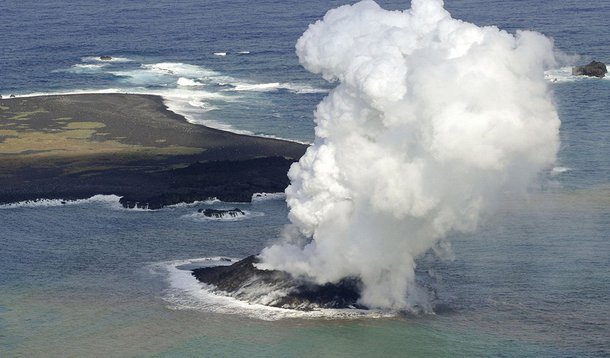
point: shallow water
(92, 279)
(529, 282)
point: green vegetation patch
(85, 125)
(26, 115)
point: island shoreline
(75, 146)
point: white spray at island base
(431, 120)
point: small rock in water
(216, 213)
(105, 58)
(593, 69)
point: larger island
(79, 145)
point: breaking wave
(111, 200)
(187, 82)
(559, 170)
(276, 86)
(258, 197)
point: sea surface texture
(90, 278)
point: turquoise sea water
(92, 279)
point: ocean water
(92, 279)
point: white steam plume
(432, 118)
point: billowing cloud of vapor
(431, 119)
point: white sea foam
(210, 201)
(169, 73)
(84, 68)
(246, 215)
(560, 170)
(142, 77)
(180, 69)
(188, 94)
(258, 197)
(282, 138)
(187, 82)
(275, 86)
(110, 200)
(243, 52)
(192, 104)
(220, 53)
(67, 93)
(257, 87)
(564, 74)
(185, 292)
(202, 106)
(304, 89)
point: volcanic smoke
(431, 119)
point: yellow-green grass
(26, 115)
(68, 138)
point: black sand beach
(76, 146)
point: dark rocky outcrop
(220, 213)
(229, 181)
(106, 58)
(244, 281)
(593, 69)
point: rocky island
(76, 146)
(593, 69)
(243, 281)
(220, 213)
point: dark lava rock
(105, 58)
(244, 281)
(228, 181)
(217, 213)
(593, 69)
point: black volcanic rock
(220, 213)
(244, 281)
(229, 181)
(593, 69)
(105, 58)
